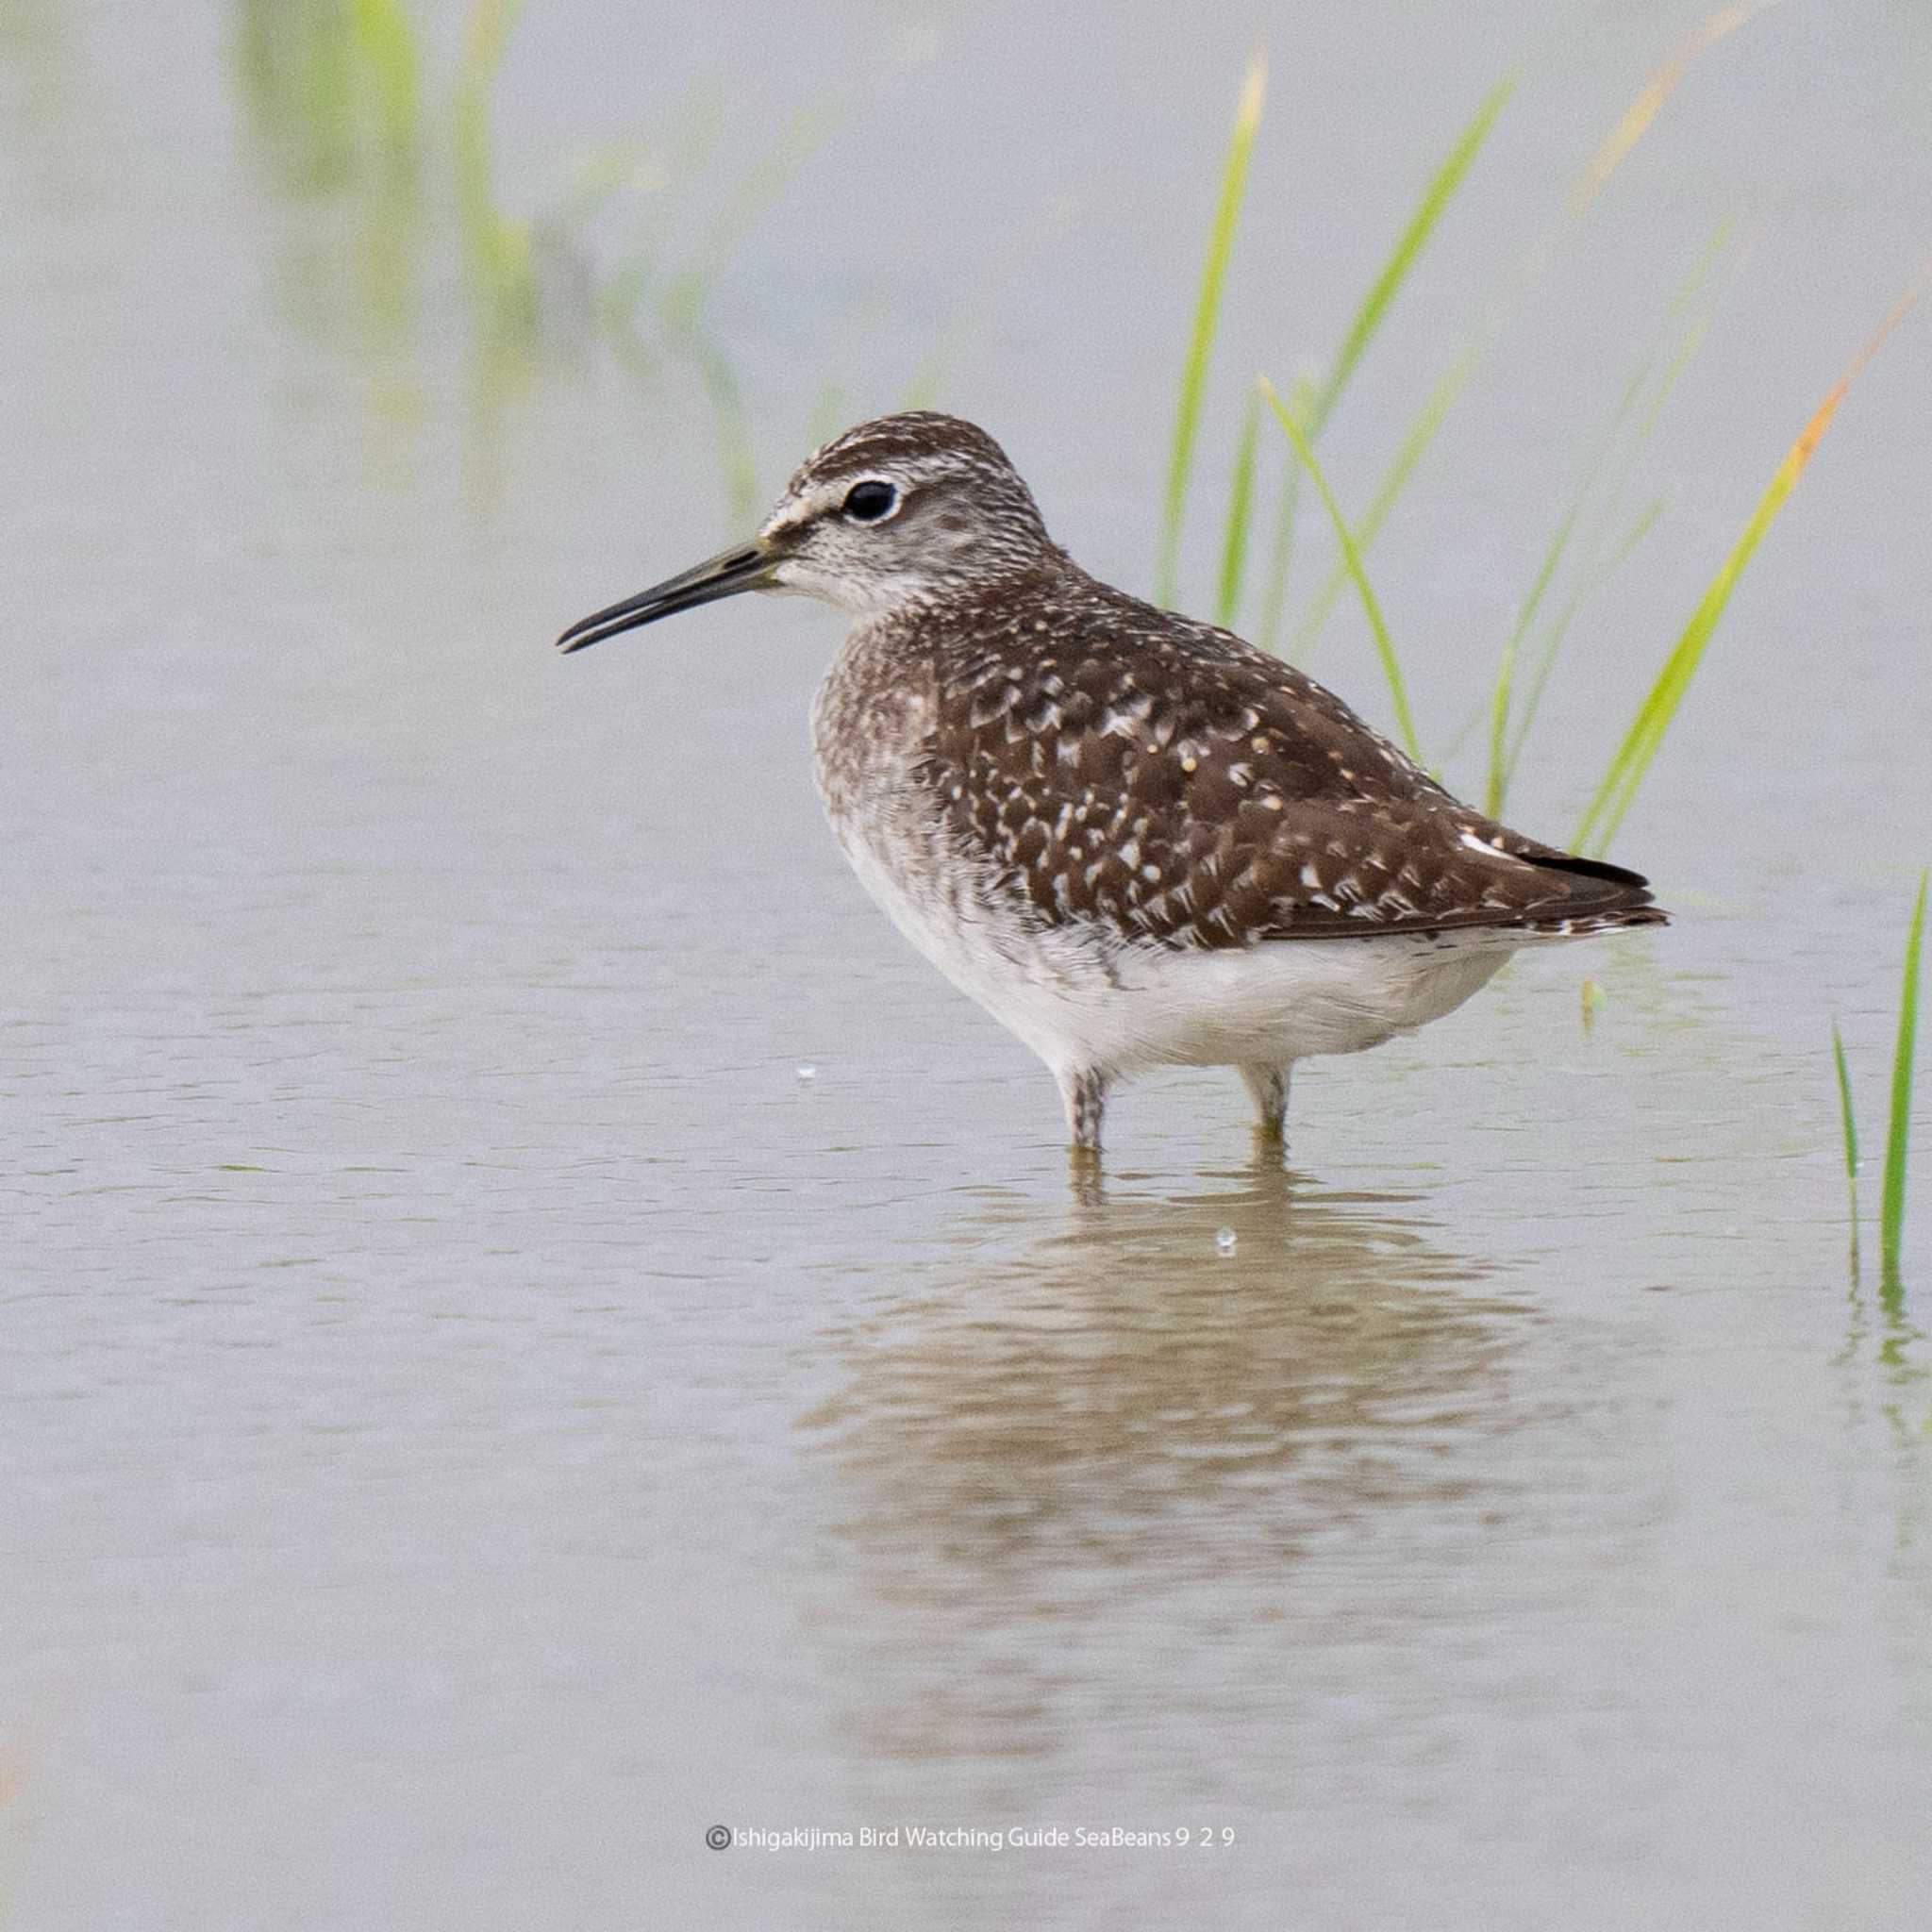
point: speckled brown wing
(1170, 782)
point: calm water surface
(474, 1418)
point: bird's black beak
(746, 568)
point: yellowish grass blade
(1385, 648)
(1593, 998)
(1651, 97)
(1186, 419)
(1633, 758)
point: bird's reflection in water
(1101, 1452)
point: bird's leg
(1083, 1091)
(1269, 1086)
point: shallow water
(475, 1418)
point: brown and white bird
(1135, 839)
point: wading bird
(1135, 839)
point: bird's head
(899, 510)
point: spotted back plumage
(1116, 764)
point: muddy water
(475, 1418)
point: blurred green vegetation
(335, 87)
(629, 247)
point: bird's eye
(866, 503)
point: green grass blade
(1632, 758)
(1848, 1120)
(1416, 439)
(1186, 418)
(1695, 300)
(1508, 733)
(1241, 506)
(1408, 246)
(1428, 419)
(1368, 318)
(1503, 694)
(1301, 399)
(1891, 1211)
(1384, 649)
(1596, 574)
(1552, 642)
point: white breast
(1081, 999)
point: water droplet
(808, 1074)
(1224, 1241)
